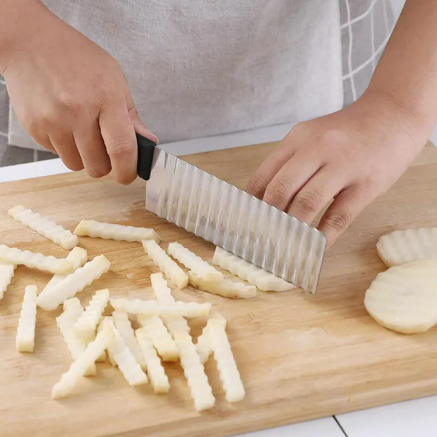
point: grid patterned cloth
(366, 26)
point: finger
(316, 194)
(66, 149)
(268, 169)
(92, 150)
(119, 136)
(345, 208)
(294, 174)
(135, 118)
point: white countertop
(399, 420)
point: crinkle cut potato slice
(404, 298)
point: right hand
(72, 98)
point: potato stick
(226, 365)
(167, 266)
(51, 298)
(407, 245)
(6, 274)
(225, 288)
(161, 338)
(102, 324)
(163, 295)
(76, 345)
(25, 340)
(44, 226)
(203, 345)
(79, 367)
(33, 260)
(124, 327)
(193, 262)
(86, 325)
(109, 231)
(152, 308)
(123, 357)
(155, 370)
(247, 271)
(201, 391)
(77, 257)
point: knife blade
(230, 218)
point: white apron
(202, 68)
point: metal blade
(234, 220)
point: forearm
(406, 75)
(19, 24)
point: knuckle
(256, 184)
(279, 191)
(308, 201)
(338, 221)
(120, 147)
(70, 102)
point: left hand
(352, 156)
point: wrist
(20, 24)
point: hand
(352, 156)
(73, 99)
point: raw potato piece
(226, 365)
(407, 245)
(44, 226)
(76, 345)
(51, 298)
(123, 357)
(196, 264)
(35, 260)
(124, 327)
(167, 266)
(25, 340)
(155, 370)
(79, 367)
(152, 308)
(161, 338)
(203, 345)
(6, 274)
(85, 326)
(77, 257)
(263, 280)
(225, 288)
(404, 298)
(109, 231)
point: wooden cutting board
(300, 356)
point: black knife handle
(145, 157)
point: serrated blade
(234, 220)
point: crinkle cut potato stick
(124, 327)
(226, 288)
(203, 345)
(263, 280)
(404, 298)
(167, 266)
(86, 324)
(109, 231)
(155, 370)
(78, 257)
(123, 357)
(51, 298)
(79, 367)
(44, 226)
(229, 374)
(153, 308)
(407, 245)
(161, 338)
(6, 274)
(76, 345)
(36, 261)
(25, 340)
(193, 262)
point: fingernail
(150, 136)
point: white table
(413, 418)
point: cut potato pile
(404, 298)
(160, 332)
